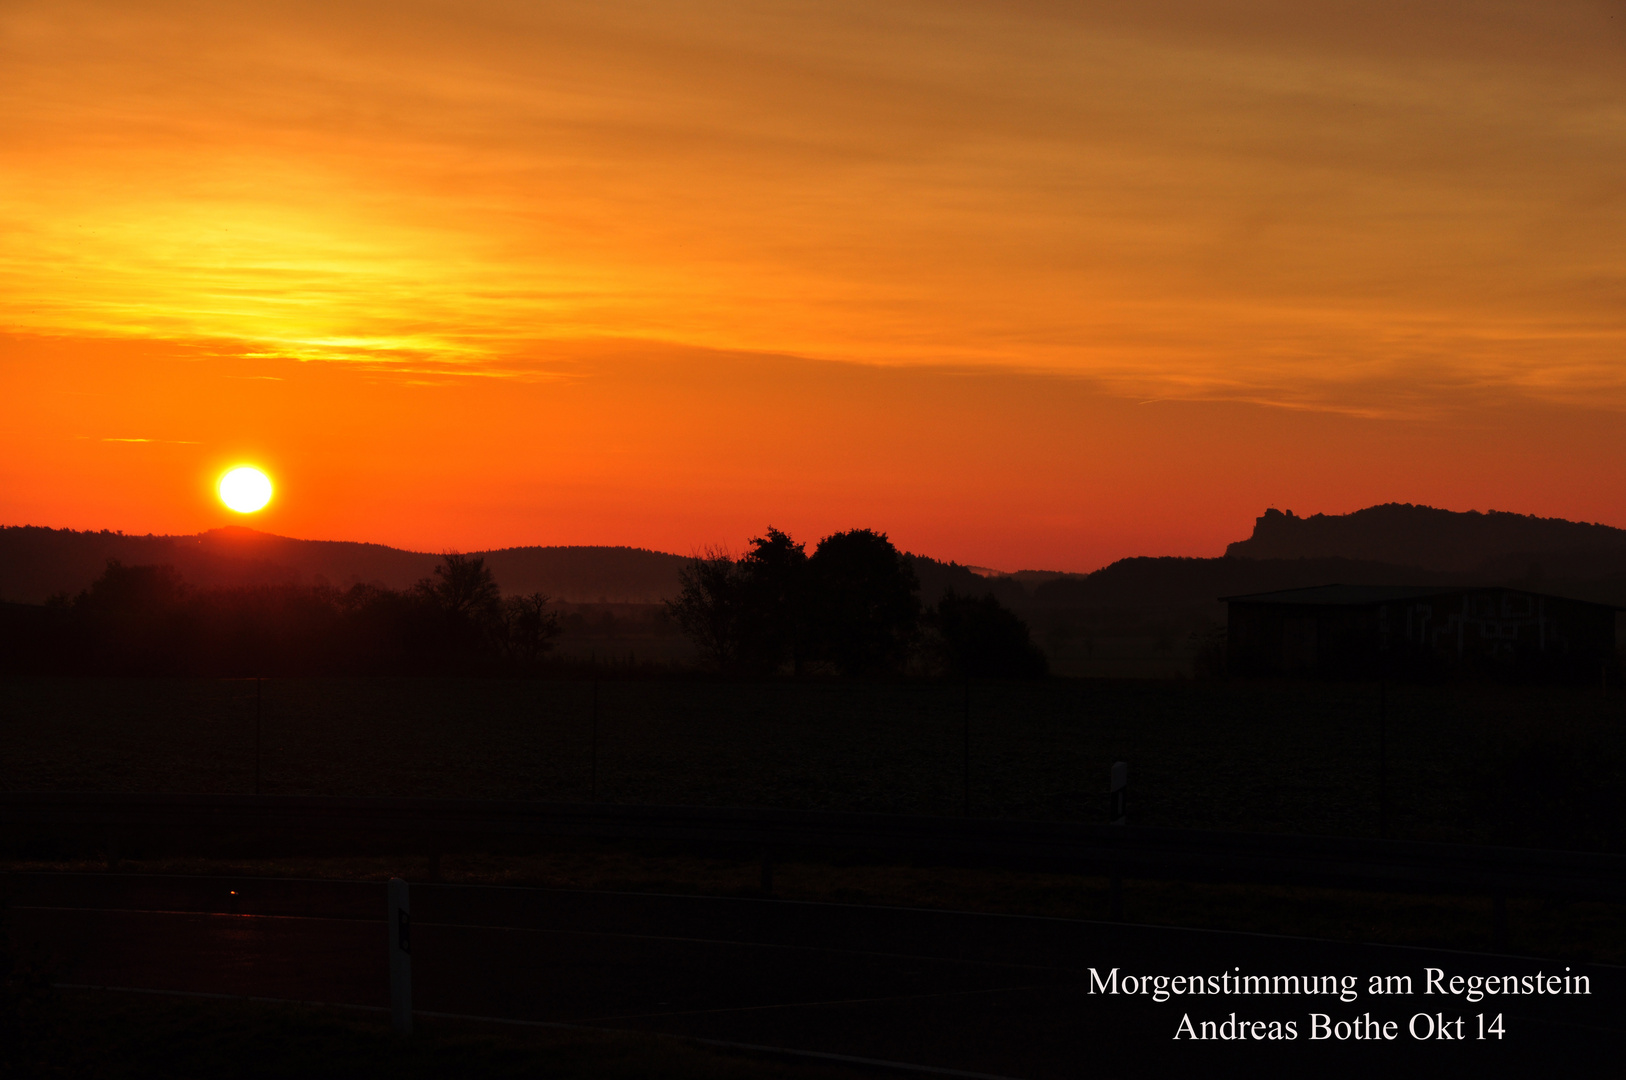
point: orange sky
(1025, 285)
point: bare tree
(466, 591)
(708, 608)
(527, 628)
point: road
(986, 994)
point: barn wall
(1489, 631)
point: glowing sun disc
(245, 489)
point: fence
(431, 825)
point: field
(1522, 765)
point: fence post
(966, 749)
(400, 957)
(256, 734)
(1118, 814)
(1118, 794)
(1383, 759)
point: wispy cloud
(1249, 198)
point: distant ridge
(1392, 544)
(37, 562)
(585, 575)
(1494, 545)
(1169, 583)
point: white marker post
(400, 957)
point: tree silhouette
(772, 581)
(469, 604)
(850, 605)
(864, 607)
(707, 608)
(980, 637)
(145, 620)
(132, 590)
(467, 590)
(132, 619)
(527, 628)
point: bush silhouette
(980, 637)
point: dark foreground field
(1465, 764)
(926, 991)
(125, 1036)
(1533, 766)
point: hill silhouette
(1495, 545)
(1146, 603)
(36, 563)
(1173, 583)
(1392, 543)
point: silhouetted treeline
(852, 607)
(145, 620)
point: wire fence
(1535, 766)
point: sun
(245, 489)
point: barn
(1362, 631)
